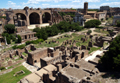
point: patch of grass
(13, 43)
(25, 54)
(10, 67)
(51, 44)
(29, 50)
(100, 31)
(94, 49)
(9, 78)
(14, 65)
(76, 37)
(6, 49)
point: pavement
(98, 52)
(30, 67)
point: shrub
(8, 40)
(118, 24)
(19, 39)
(34, 41)
(89, 31)
(2, 68)
(10, 28)
(14, 47)
(92, 23)
(102, 19)
(106, 18)
(19, 46)
(53, 30)
(100, 27)
(13, 37)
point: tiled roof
(68, 10)
(91, 12)
(87, 16)
(100, 12)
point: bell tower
(85, 8)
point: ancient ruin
(29, 16)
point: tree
(92, 23)
(118, 24)
(19, 39)
(102, 19)
(10, 28)
(89, 31)
(8, 40)
(111, 59)
(53, 30)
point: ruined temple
(29, 16)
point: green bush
(3, 17)
(8, 40)
(89, 31)
(63, 14)
(106, 18)
(2, 68)
(34, 41)
(19, 46)
(13, 37)
(102, 19)
(14, 47)
(19, 39)
(100, 27)
(118, 24)
(10, 28)
(53, 30)
(92, 23)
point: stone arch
(46, 17)
(21, 16)
(34, 18)
(20, 19)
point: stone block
(9, 62)
(83, 47)
(90, 44)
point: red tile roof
(68, 10)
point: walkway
(29, 67)
(98, 52)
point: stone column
(28, 21)
(27, 36)
(0, 43)
(6, 41)
(40, 18)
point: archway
(34, 18)
(46, 17)
(20, 19)
(21, 16)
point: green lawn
(51, 44)
(9, 78)
(14, 65)
(25, 54)
(99, 31)
(29, 50)
(94, 49)
(76, 37)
